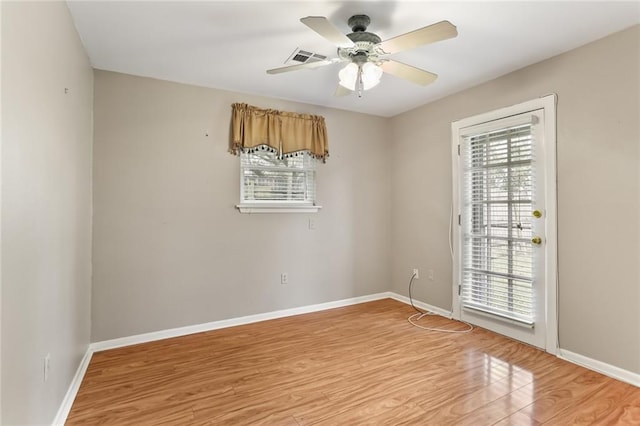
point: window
(498, 192)
(269, 183)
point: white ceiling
(229, 45)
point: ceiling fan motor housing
(359, 22)
(363, 40)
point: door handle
(537, 214)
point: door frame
(548, 105)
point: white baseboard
(70, 396)
(601, 367)
(421, 305)
(232, 322)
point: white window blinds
(269, 179)
(497, 195)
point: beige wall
(169, 247)
(598, 156)
(46, 207)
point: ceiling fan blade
(307, 65)
(413, 74)
(341, 91)
(326, 29)
(430, 34)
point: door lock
(537, 214)
(536, 240)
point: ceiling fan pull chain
(359, 83)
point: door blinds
(497, 195)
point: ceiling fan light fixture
(371, 75)
(348, 76)
(365, 52)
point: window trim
(271, 208)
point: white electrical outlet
(284, 278)
(430, 274)
(416, 274)
(47, 366)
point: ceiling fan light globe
(348, 76)
(371, 75)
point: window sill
(258, 208)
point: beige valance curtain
(285, 133)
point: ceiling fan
(366, 53)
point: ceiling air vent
(300, 56)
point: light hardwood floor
(362, 364)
